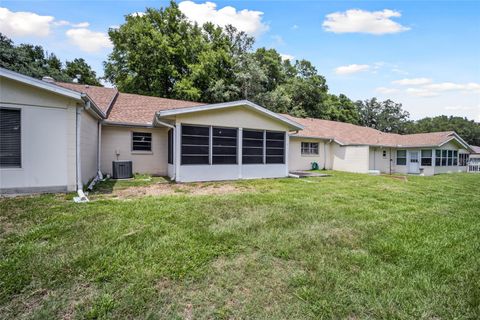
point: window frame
(132, 146)
(422, 158)
(21, 134)
(268, 148)
(397, 157)
(262, 156)
(209, 145)
(213, 146)
(309, 149)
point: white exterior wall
(350, 158)
(47, 136)
(298, 161)
(379, 162)
(120, 138)
(88, 146)
(238, 117)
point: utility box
(122, 169)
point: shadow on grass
(108, 186)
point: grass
(348, 246)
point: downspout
(81, 195)
(99, 150)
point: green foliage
(35, 62)
(313, 248)
(386, 116)
(80, 70)
(469, 130)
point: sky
(423, 54)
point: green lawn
(345, 247)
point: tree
(469, 130)
(80, 70)
(386, 116)
(34, 61)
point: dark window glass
(438, 157)
(195, 145)
(450, 157)
(252, 150)
(224, 145)
(455, 157)
(444, 158)
(309, 148)
(401, 157)
(10, 139)
(275, 147)
(426, 158)
(141, 141)
(170, 146)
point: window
(252, 146)
(275, 147)
(170, 146)
(224, 142)
(10, 138)
(401, 157)
(444, 158)
(141, 141)
(450, 157)
(195, 145)
(463, 159)
(426, 158)
(309, 148)
(455, 157)
(384, 154)
(438, 157)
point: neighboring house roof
(350, 134)
(476, 149)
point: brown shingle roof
(100, 95)
(475, 149)
(134, 108)
(126, 107)
(346, 133)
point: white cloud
(21, 24)
(89, 41)
(295, 27)
(420, 92)
(352, 68)
(385, 90)
(249, 21)
(412, 81)
(455, 108)
(287, 56)
(137, 14)
(360, 21)
(81, 25)
(450, 86)
(278, 40)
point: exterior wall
(298, 161)
(238, 117)
(350, 158)
(47, 133)
(88, 146)
(379, 162)
(120, 138)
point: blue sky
(424, 54)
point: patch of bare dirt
(402, 178)
(179, 189)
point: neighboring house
(58, 136)
(347, 147)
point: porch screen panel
(224, 145)
(252, 147)
(170, 146)
(275, 147)
(195, 145)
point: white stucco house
(55, 137)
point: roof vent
(48, 79)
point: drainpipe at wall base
(81, 195)
(99, 175)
